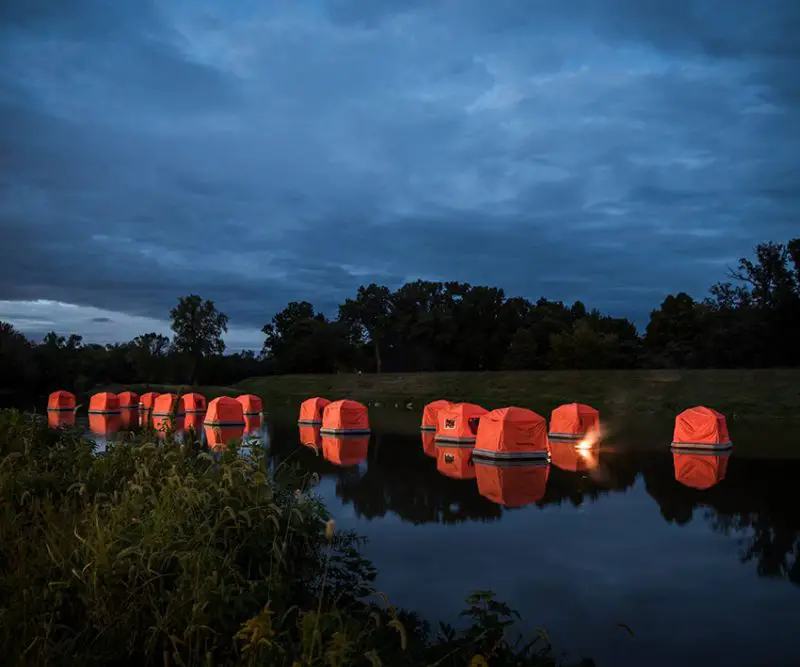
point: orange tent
(60, 418)
(512, 434)
(429, 443)
(224, 411)
(345, 450)
(104, 403)
(430, 414)
(252, 422)
(128, 400)
(345, 416)
(512, 484)
(572, 458)
(310, 436)
(129, 418)
(311, 410)
(701, 428)
(574, 422)
(166, 405)
(147, 401)
(699, 470)
(193, 402)
(104, 424)
(61, 400)
(458, 424)
(455, 462)
(220, 436)
(251, 404)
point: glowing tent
(455, 462)
(512, 434)
(61, 401)
(310, 436)
(60, 418)
(221, 436)
(574, 422)
(699, 469)
(430, 414)
(512, 484)
(345, 417)
(166, 405)
(311, 411)
(458, 424)
(429, 443)
(104, 403)
(574, 458)
(701, 428)
(147, 401)
(345, 450)
(193, 403)
(225, 411)
(128, 400)
(251, 405)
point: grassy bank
(164, 554)
(747, 394)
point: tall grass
(161, 553)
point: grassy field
(740, 394)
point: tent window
(450, 424)
(473, 424)
(449, 458)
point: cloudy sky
(260, 152)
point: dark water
(701, 577)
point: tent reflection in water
(458, 424)
(104, 403)
(701, 428)
(221, 436)
(455, 462)
(102, 427)
(430, 414)
(167, 410)
(310, 436)
(129, 418)
(60, 418)
(61, 401)
(345, 450)
(574, 422)
(574, 457)
(512, 434)
(345, 417)
(699, 469)
(252, 423)
(512, 483)
(429, 443)
(311, 411)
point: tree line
(751, 320)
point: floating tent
(311, 411)
(147, 401)
(569, 457)
(221, 436)
(193, 403)
(574, 422)
(429, 443)
(345, 417)
(166, 405)
(128, 400)
(129, 418)
(104, 403)
(251, 404)
(699, 469)
(430, 414)
(701, 428)
(224, 411)
(345, 450)
(61, 401)
(512, 483)
(458, 424)
(60, 418)
(310, 436)
(512, 434)
(455, 462)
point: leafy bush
(160, 553)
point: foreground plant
(165, 554)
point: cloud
(601, 151)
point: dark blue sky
(259, 152)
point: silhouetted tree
(198, 327)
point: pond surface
(614, 536)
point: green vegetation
(163, 554)
(740, 394)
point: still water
(618, 536)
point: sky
(255, 153)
